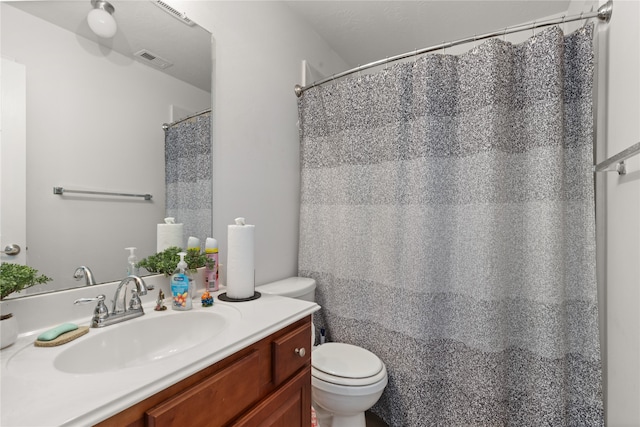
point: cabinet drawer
(290, 352)
(215, 400)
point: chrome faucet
(85, 272)
(102, 317)
(141, 289)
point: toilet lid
(292, 287)
(345, 360)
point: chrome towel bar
(61, 191)
(619, 158)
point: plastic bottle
(193, 244)
(132, 263)
(181, 292)
(211, 274)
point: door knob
(11, 250)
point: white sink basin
(141, 341)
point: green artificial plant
(166, 262)
(16, 277)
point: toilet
(346, 380)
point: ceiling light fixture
(100, 19)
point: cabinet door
(214, 401)
(288, 406)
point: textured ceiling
(366, 31)
(359, 31)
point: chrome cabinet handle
(301, 351)
(11, 250)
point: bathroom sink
(140, 342)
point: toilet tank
(302, 288)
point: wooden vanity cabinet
(266, 384)
(289, 406)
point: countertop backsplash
(36, 312)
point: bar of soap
(57, 331)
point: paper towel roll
(240, 260)
(169, 234)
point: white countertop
(34, 393)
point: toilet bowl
(346, 380)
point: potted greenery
(166, 262)
(14, 278)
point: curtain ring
(564, 29)
(504, 34)
(533, 29)
(586, 19)
(415, 56)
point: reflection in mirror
(94, 117)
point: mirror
(94, 115)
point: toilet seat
(347, 365)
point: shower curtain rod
(166, 126)
(603, 13)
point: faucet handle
(101, 311)
(135, 303)
(99, 298)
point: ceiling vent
(182, 17)
(152, 59)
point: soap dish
(63, 338)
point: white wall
(105, 136)
(619, 127)
(259, 49)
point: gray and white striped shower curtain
(447, 214)
(188, 175)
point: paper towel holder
(227, 298)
